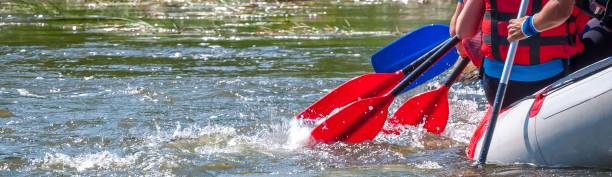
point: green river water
(210, 88)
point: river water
(210, 88)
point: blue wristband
(527, 27)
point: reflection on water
(208, 88)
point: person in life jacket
(597, 37)
(467, 47)
(549, 35)
(599, 9)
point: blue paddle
(405, 50)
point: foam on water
(100, 160)
(428, 165)
(26, 93)
(212, 150)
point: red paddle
(430, 107)
(363, 119)
(361, 87)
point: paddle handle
(463, 62)
(412, 66)
(424, 66)
(501, 90)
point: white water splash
(428, 165)
(212, 150)
(195, 131)
(298, 135)
(100, 160)
(26, 93)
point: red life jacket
(560, 42)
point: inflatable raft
(567, 124)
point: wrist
(528, 28)
(532, 25)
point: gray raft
(572, 129)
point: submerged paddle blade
(429, 107)
(360, 121)
(438, 116)
(362, 87)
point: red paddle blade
(362, 87)
(360, 121)
(431, 107)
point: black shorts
(516, 90)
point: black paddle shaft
(463, 62)
(499, 95)
(424, 66)
(501, 90)
(412, 66)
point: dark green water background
(209, 88)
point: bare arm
(469, 20)
(553, 14)
(453, 22)
(453, 25)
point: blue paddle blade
(403, 51)
(446, 62)
(408, 48)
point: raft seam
(582, 102)
(535, 133)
